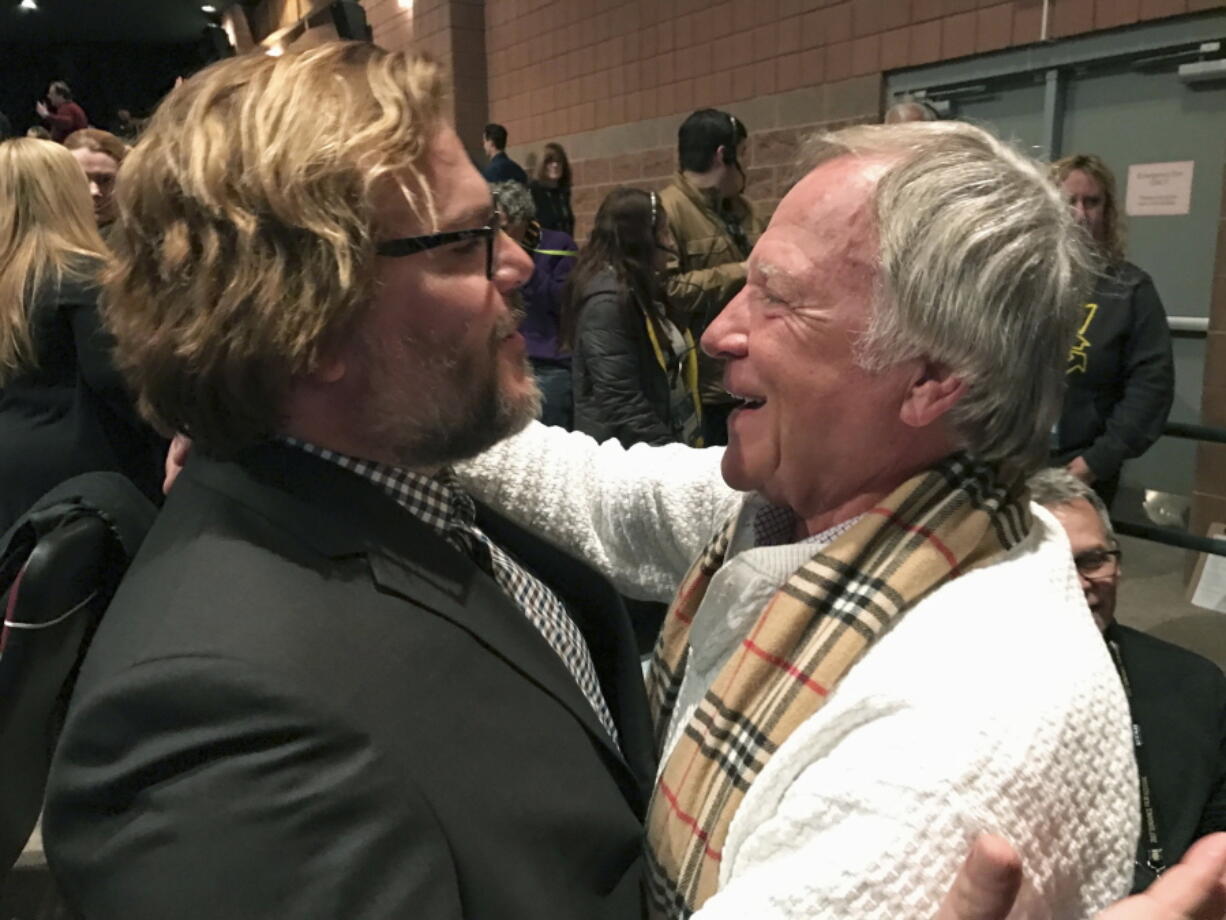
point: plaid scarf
(952, 518)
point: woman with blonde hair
(1121, 378)
(63, 407)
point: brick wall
(559, 67)
(611, 79)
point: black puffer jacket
(620, 389)
(1121, 377)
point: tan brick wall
(560, 67)
(645, 154)
(611, 79)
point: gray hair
(909, 109)
(1057, 486)
(982, 270)
(514, 200)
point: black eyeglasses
(409, 245)
(1097, 563)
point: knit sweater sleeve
(640, 515)
(944, 730)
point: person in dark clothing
(1121, 377)
(500, 168)
(331, 684)
(635, 371)
(63, 116)
(1177, 698)
(64, 409)
(551, 191)
(553, 256)
(715, 227)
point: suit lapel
(339, 514)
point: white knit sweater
(992, 706)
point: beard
(430, 407)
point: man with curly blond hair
(331, 685)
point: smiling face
(1087, 537)
(436, 371)
(816, 432)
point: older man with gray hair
(882, 648)
(1177, 698)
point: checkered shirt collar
(775, 525)
(437, 500)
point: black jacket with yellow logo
(1121, 376)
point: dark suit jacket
(1179, 702)
(303, 703)
(501, 168)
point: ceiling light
(208, 8)
(28, 5)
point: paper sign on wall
(1159, 188)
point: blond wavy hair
(47, 235)
(1114, 241)
(247, 213)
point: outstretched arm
(640, 515)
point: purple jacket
(543, 295)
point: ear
(933, 392)
(331, 367)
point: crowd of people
(373, 658)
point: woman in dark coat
(1121, 378)
(551, 191)
(63, 407)
(635, 371)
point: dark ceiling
(144, 21)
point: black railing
(1216, 546)
(1191, 541)
(1195, 432)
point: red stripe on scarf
(717, 855)
(785, 665)
(927, 535)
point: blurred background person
(551, 191)
(38, 132)
(127, 127)
(63, 116)
(64, 409)
(553, 256)
(1121, 376)
(635, 370)
(500, 168)
(715, 227)
(99, 153)
(910, 109)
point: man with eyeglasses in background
(1177, 698)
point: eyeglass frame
(411, 245)
(1115, 555)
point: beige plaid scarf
(956, 516)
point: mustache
(515, 314)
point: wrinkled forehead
(828, 215)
